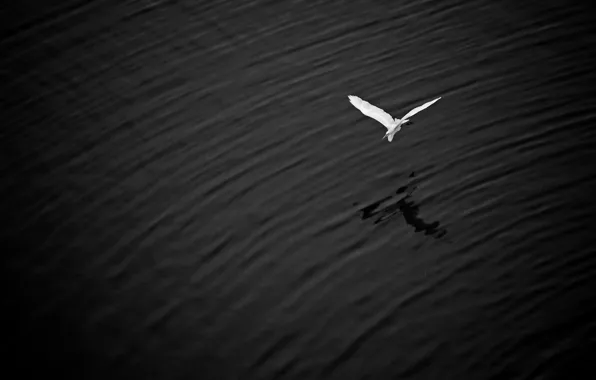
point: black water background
(180, 180)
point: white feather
(393, 125)
(372, 111)
(420, 108)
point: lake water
(190, 195)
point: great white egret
(393, 125)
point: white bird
(393, 126)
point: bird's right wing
(372, 111)
(420, 108)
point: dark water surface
(188, 194)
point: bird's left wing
(420, 108)
(372, 111)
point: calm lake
(188, 193)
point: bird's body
(393, 125)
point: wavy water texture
(186, 184)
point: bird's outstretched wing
(372, 111)
(420, 108)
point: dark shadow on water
(386, 208)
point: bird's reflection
(386, 208)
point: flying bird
(393, 125)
